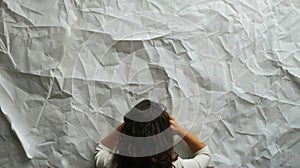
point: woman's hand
(176, 128)
(194, 143)
(112, 139)
(120, 127)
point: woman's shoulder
(178, 163)
(200, 160)
(103, 156)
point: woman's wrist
(182, 132)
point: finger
(171, 117)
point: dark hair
(146, 119)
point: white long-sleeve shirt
(103, 158)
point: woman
(145, 139)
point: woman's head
(147, 118)
(150, 123)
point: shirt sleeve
(103, 156)
(200, 160)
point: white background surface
(227, 70)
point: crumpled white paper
(227, 70)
